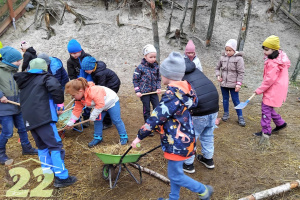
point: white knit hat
(149, 48)
(232, 43)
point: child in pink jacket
(274, 86)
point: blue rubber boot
(207, 193)
(123, 139)
(97, 140)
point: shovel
(244, 104)
(12, 102)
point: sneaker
(225, 116)
(151, 134)
(27, 149)
(94, 142)
(278, 128)
(106, 126)
(64, 182)
(123, 141)
(258, 134)
(242, 121)
(209, 163)
(188, 168)
(207, 194)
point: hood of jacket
(23, 78)
(100, 66)
(8, 67)
(282, 60)
(185, 93)
(55, 64)
(237, 53)
(190, 65)
(31, 50)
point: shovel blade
(241, 105)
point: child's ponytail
(75, 85)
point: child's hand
(135, 142)
(3, 99)
(70, 123)
(138, 94)
(158, 91)
(237, 88)
(220, 79)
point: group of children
(187, 111)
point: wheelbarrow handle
(121, 159)
(73, 125)
(148, 152)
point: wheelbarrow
(113, 165)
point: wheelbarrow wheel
(107, 170)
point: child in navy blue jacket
(56, 68)
(146, 78)
(39, 92)
(173, 118)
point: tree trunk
(155, 30)
(193, 16)
(170, 19)
(296, 71)
(244, 26)
(211, 22)
(288, 14)
(184, 14)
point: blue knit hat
(10, 55)
(88, 63)
(74, 46)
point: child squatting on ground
(230, 73)
(172, 117)
(274, 86)
(103, 100)
(146, 78)
(39, 92)
(10, 114)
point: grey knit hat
(45, 57)
(173, 67)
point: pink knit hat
(232, 43)
(190, 47)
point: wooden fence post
(244, 26)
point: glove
(71, 122)
(92, 118)
(60, 107)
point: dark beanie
(88, 63)
(45, 57)
(173, 67)
(10, 55)
(74, 46)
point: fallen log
(152, 173)
(273, 191)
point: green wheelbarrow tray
(115, 159)
(113, 165)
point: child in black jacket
(29, 54)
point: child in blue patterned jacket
(173, 118)
(146, 79)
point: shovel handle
(152, 92)
(253, 95)
(12, 102)
(73, 125)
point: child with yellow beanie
(274, 86)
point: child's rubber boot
(58, 183)
(97, 140)
(207, 193)
(4, 158)
(123, 139)
(27, 149)
(241, 121)
(225, 116)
